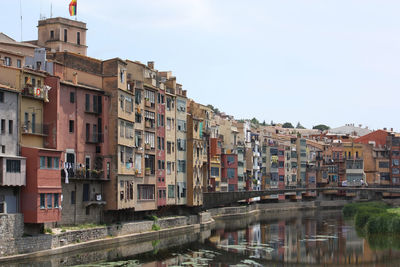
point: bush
(155, 227)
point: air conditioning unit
(98, 197)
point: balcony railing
(35, 128)
(82, 173)
(35, 92)
(94, 138)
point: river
(297, 239)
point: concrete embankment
(14, 249)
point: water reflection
(296, 238)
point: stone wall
(11, 226)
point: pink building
(78, 122)
(229, 165)
(160, 152)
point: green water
(315, 238)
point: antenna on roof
(20, 12)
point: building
(77, 118)
(229, 171)
(62, 35)
(170, 137)
(215, 165)
(12, 166)
(196, 155)
(181, 146)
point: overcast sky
(313, 61)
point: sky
(315, 62)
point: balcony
(40, 93)
(94, 138)
(82, 173)
(35, 128)
(12, 171)
(149, 171)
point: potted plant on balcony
(147, 102)
(147, 171)
(147, 146)
(136, 171)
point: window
(71, 126)
(181, 144)
(138, 163)
(3, 126)
(169, 147)
(383, 164)
(149, 163)
(230, 160)
(149, 139)
(13, 165)
(73, 197)
(395, 162)
(168, 167)
(122, 76)
(171, 191)
(78, 38)
(138, 96)
(181, 125)
(160, 120)
(51, 34)
(181, 166)
(138, 117)
(33, 124)
(181, 105)
(49, 163)
(56, 205)
(145, 192)
(42, 201)
(149, 96)
(87, 102)
(230, 173)
(214, 171)
(10, 126)
(87, 132)
(65, 35)
(138, 138)
(49, 201)
(42, 162)
(7, 61)
(3, 149)
(1, 97)
(56, 162)
(72, 97)
(85, 192)
(19, 64)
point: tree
(214, 109)
(287, 125)
(264, 123)
(321, 127)
(255, 121)
(299, 126)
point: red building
(229, 165)
(378, 138)
(160, 151)
(77, 116)
(41, 197)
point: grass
(81, 226)
(48, 231)
(373, 218)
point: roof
(349, 129)
(8, 40)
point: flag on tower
(72, 8)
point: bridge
(216, 199)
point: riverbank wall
(50, 244)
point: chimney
(150, 64)
(184, 93)
(75, 78)
(391, 129)
(384, 129)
